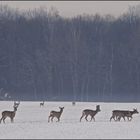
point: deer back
(122, 113)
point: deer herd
(116, 114)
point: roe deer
(73, 103)
(128, 114)
(10, 114)
(42, 104)
(118, 114)
(92, 113)
(56, 114)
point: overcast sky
(73, 8)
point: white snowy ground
(31, 121)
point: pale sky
(73, 8)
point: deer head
(135, 111)
(61, 108)
(98, 108)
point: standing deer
(56, 114)
(10, 114)
(92, 113)
(118, 114)
(42, 104)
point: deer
(118, 114)
(56, 114)
(92, 113)
(42, 104)
(73, 103)
(10, 114)
(128, 114)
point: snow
(31, 121)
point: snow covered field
(31, 121)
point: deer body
(92, 113)
(118, 114)
(10, 114)
(56, 114)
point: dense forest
(44, 56)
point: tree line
(44, 56)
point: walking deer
(92, 113)
(10, 114)
(42, 104)
(118, 114)
(56, 114)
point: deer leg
(12, 120)
(128, 118)
(124, 118)
(52, 119)
(58, 119)
(49, 118)
(91, 118)
(115, 117)
(119, 118)
(4, 119)
(86, 117)
(112, 117)
(1, 119)
(82, 117)
(94, 118)
(131, 118)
